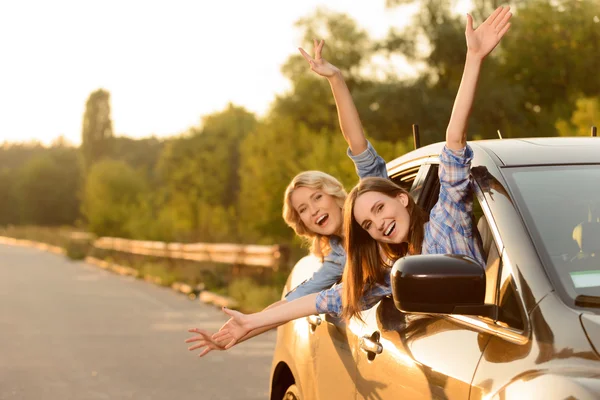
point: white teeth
(321, 218)
(389, 229)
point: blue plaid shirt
(449, 230)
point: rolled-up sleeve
(329, 274)
(330, 301)
(368, 163)
(455, 203)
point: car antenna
(416, 137)
(499, 134)
(594, 131)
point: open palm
(482, 40)
(318, 64)
(233, 330)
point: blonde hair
(367, 261)
(319, 244)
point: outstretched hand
(204, 339)
(318, 64)
(236, 328)
(481, 41)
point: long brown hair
(367, 260)
(319, 244)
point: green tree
(198, 173)
(140, 154)
(47, 189)
(9, 205)
(111, 195)
(552, 54)
(544, 64)
(586, 115)
(97, 130)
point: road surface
(69, 330)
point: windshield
(561, 207)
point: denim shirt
(368, 163)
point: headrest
(587, 236)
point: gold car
(527, 326)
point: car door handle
(314, 321)
(371, 345)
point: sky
(165, 63)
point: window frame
(495, 327)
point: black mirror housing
(440, 284)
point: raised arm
(347, 113)
(480, 42)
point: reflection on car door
(335, 367)
(421, 356)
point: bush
(158, 270)
(253, 297)
(77, 249)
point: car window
(560, 206)
(406, 178)
(510, 312)
(500, 287)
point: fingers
(203, 335)
(500, 16)
(230, 344)
(205, 352)
(220, 336)
(198, 346)
(504, 30)
(318, 49)
(194, 339)
(490, 20)
(502, 22)
(469, 23)
(306, 56)
(232, 313)
(196, 330)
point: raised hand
(236, 328)
(318, 64)
(204, 339)
(487, 35)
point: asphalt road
(69, 330)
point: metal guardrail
(236, 254)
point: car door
(334, 361)
(418, 356)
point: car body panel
(335, 361)
(425, 348)
(591, 325)
(557, 346)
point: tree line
(223, 180)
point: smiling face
(318, 210)
(385, 218)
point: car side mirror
(440, 284)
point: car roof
(526, 151)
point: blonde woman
(313, 202)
